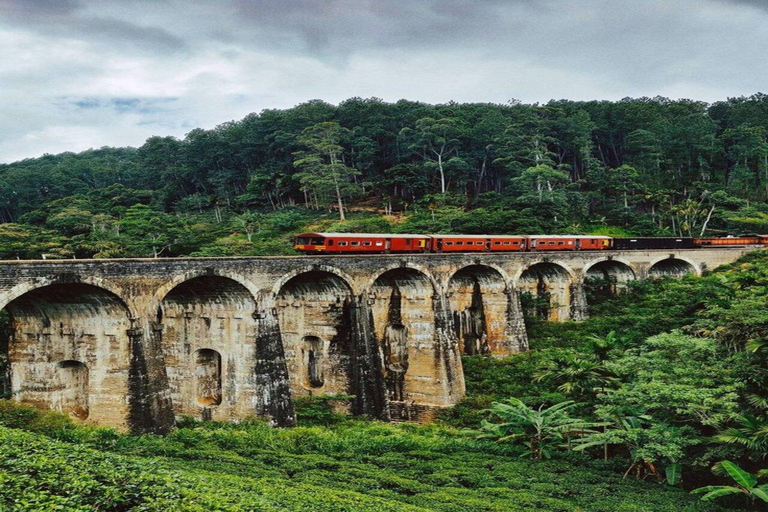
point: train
(367, 243)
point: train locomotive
(367, 243)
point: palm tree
(601, 346)
(746, 483)
(751, 432)
(611, 424)
(576, 375)
(540, 430)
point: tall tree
(321, 164)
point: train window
(570, 242)
(379, 244)
(408, 241)
(341, 244)
(448, 243)
(354, 243)
(367, 244)
(459, 243)
(496, 243)
(560, 243)
(330, 242)
(317, 241)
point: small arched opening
(208, 377)
(70, 389)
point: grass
(47, 462)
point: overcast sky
(81, 74)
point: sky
(77, 74)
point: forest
(645, 166)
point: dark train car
(477, 243)
(359, 243)
(730, 241)
(568, 243)
(641, 243)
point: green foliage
(541, 430)
(321, 410)
(350, 467)
(746, 484)
(678, 379)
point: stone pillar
(579, 310)
(273, 388)
(366, 372)
(150, 406)
(517, 334)
(449, 369)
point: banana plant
(746, 483)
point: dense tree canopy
(643, 166)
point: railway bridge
(135, 343)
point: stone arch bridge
(134, 343)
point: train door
(387, 244)
(577, 244)
(439, 245)
(488, 245)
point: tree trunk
(338, 198)
(442, 172)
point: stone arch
(478, 297)
(672, 266)
(609, 276)
(316, 304)
(549, 284)
(199, 318)
(178, 279)
(97, 282)
(305, 269)
(70, 351)
(418, 269)
(403, 309)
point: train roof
(569, 236)
(363, 235)
(478, 236)
(409, 235)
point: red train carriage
(731, 241)
(568, 243)
(477, 243)
(359, 243)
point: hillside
(637, 166)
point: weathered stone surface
(133, 343)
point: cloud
(87, 74)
